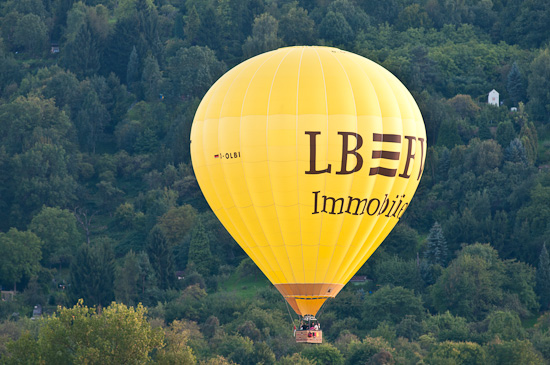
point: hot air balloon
(308, 156)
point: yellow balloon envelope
(309, 156)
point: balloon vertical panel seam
(232, 219)
(269, 171)
(353, 265)
(297, 167)
(327, 154)
(352, 176)
(283, 276)
(348, 251)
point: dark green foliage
(398, 272)
(436, 246)
(296, 27)
(446, 327)
(513, 352)
(324, 354)
(132, 71)
(336, 29)
(193, 70)
(93, 273)
(367, 350)
(95, 138)
(161, 257)
(30, 34)
(392, 305)
(81, 55)
(200, 255)
(505, 326)
(543, 278)
(515, 152)
(57, 228)
(514, 85)
(457, 352)
(539, 100)
(264, 36)
(505, 133)
(151, 79)
(19, 256)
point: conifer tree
(92, 273)
(151, 78)
(436, 251)
(81, 55)
(514, 85)
(161, 258)
(199, 250)
(543, 279)
(515, 152)
(132, 71)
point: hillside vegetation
(103, 224)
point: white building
(493, 97)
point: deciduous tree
(19, 256)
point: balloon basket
(309, 336)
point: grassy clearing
(244, 287)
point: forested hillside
(104, 228)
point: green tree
(505, 325)
(413, 16)
(91, 117)
(92, 272)
(264, 36)
(116, 335)
(529, 137)
(539, 86)
(127, 277)
(42, 178)
(446, 327)
(472, 284)
(31, 34)
(515, 152)
(151, 79)
(334, 27)
(177, 222)
(543, 278)
(457, 353)
(362, 352)
(19, 256)
(513, 352)
(176, 351)
(200, 255)
(436, 246)
(323, 354)
(62, 87)
(514, 85)
(28, 120)
(296, 27)
(398, 272)
(193, 70)
(132, 71)
(161, 257)
(391, 305)
(505, 133)
(82, 55)
(192, 26)
(403, 241)
(59, 233)
(237, 349)
(448, 134)
(519, 286)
